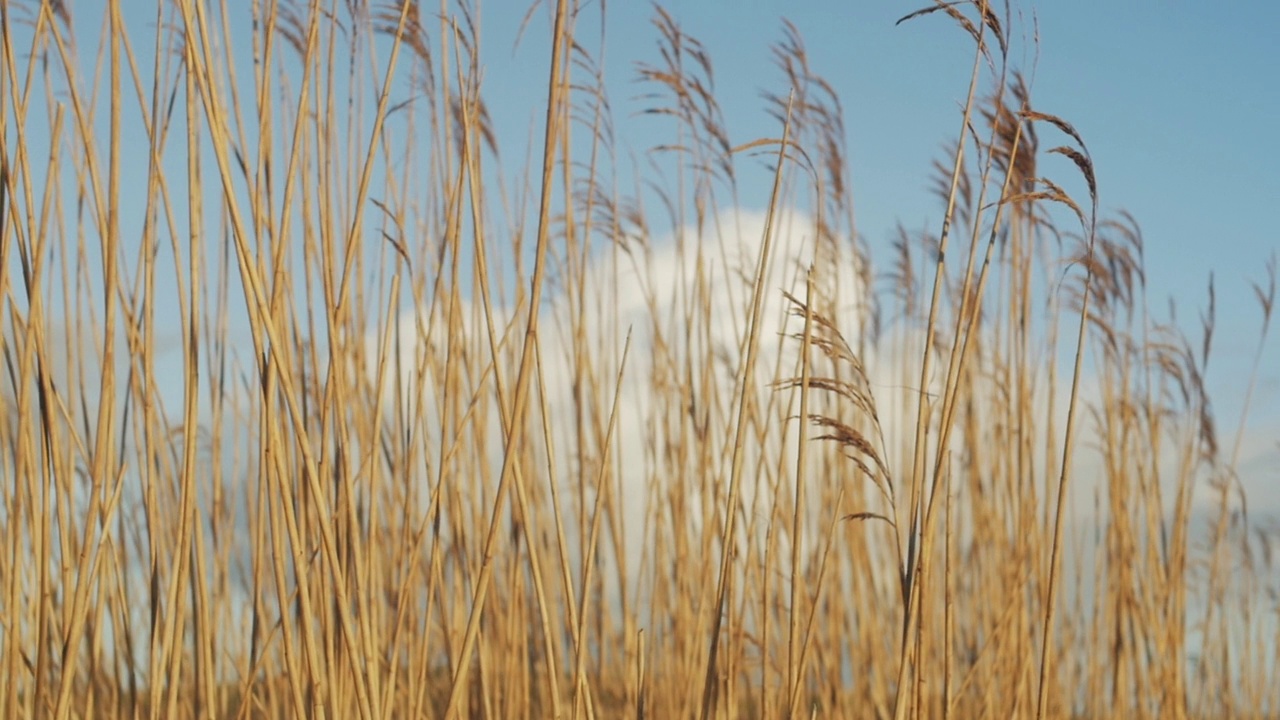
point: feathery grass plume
(315, 404)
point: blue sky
(1177, 101)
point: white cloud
(687, 306)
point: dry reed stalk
(364, 517)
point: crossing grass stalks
(310, 410)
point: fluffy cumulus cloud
(687, 307)
(685, 302)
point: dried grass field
(314, 404)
